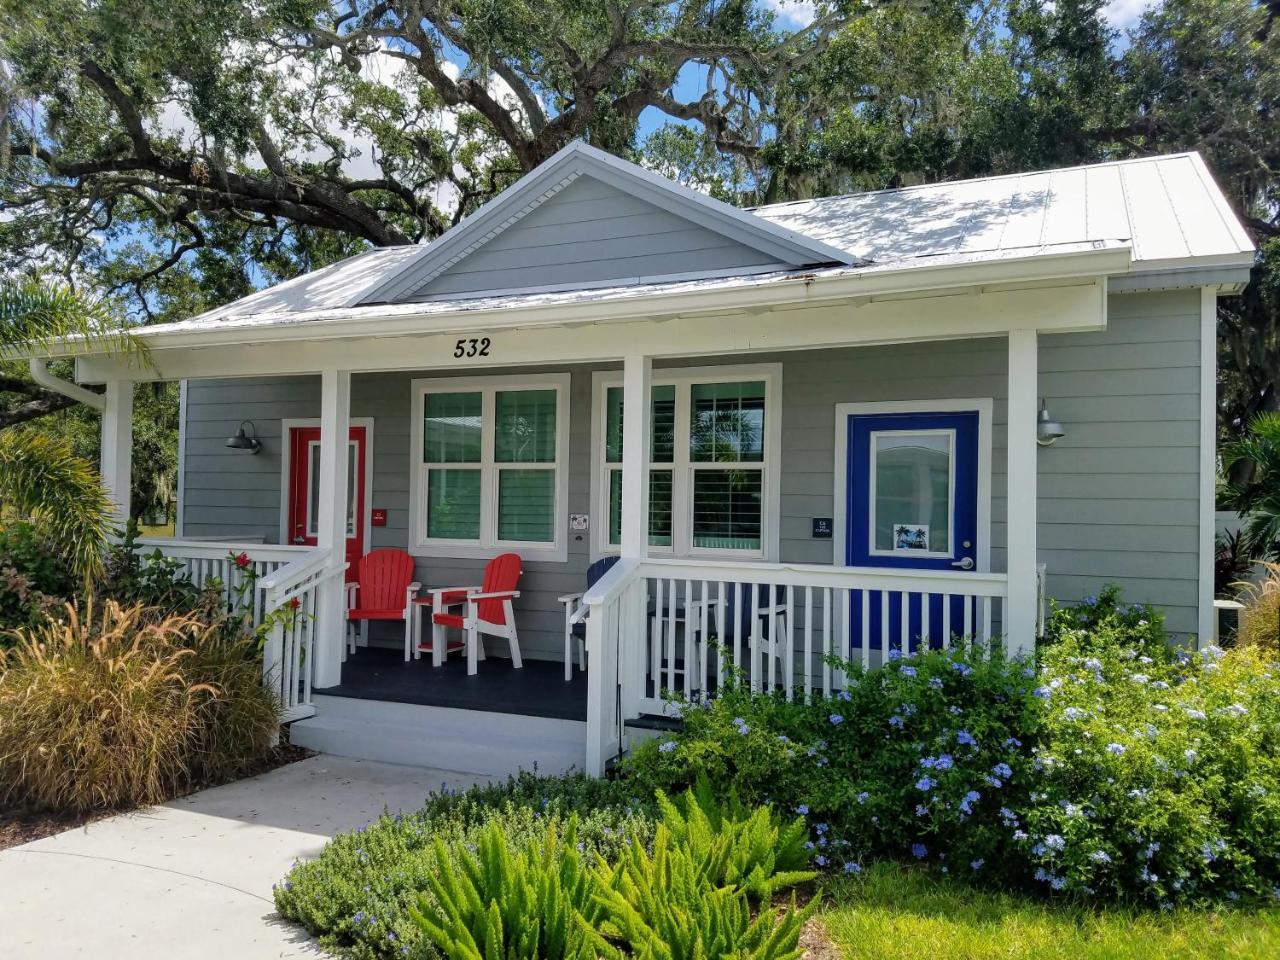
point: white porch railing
(206, 560)
(662, 627)
(286, 597)
(296, 620)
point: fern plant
(733, 846)
(662, 906)
(531, 903)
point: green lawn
(901, 914)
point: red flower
(295, 603)
(242, 561)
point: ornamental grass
(114, 707)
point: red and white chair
(486, 611)
(384, 589)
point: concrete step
(464, 741)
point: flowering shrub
(1105, 621)
(1158, 778)
(1119, 769)
(34, 578)
(922, 759)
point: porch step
(444, 738)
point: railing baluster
(704, 616)
(904, 623)
(754, 636)
(671, 635)
(772, 648)
(986, 625)
(926, 601)
(722, 633)
(968, 618)
(808, 644)
(690, 663)
(655, 638)
(828, 614)
(946, 621)
(884, 626)
(864, 601)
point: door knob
(966, 563)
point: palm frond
(41, 478)
(35, 315)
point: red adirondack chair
(384, 589)
(486, 610)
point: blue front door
(912, 503)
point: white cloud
(793, 13)
(1124, 14)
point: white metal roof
(1167, 210)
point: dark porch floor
(536, 690)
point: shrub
(34, 579)
(114, 709)
(1106, 622)
(153, 580)
(1158, 778)
(356, 895)
(913, 759)
(1260, 619)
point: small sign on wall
(579, 522)
(378, 516)
(822, 527)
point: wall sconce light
(1047, 429)
(244, 443)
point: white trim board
(1208, 459)
(286, 454)
(489, 546)
(982, 405)
(182, 460)
(771, 525)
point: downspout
(41, 375)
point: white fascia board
(575, 160)
(803, 289)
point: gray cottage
(715, 439)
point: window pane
(726, 509)
(452, 428)
(351, 489)
(525, 422)
(662, 426)
(313, 500)
(913, 492)
(453, 504)
(615, 506)
(527, 505)
(659, 508)
(727, 422)
(613, 425)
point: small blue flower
(852, 867)
(820, 860)
(977, 864)
(666, 746)
(862, 797)
(1002, 770)
(926, 783)
(1100, 856)
(908, 671)
(965, 738)
(844, 695)
(896, 722)
(935, 683)
(1115, 749)
(1042, 692)
(895, 654)
(1012, 742)
(803, 809)
(1055, 842)
(836, 719)
(919, 851)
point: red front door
(304, 490)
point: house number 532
(474, 347)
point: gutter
(41, 375)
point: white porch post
(117, 446)
(331, 522)
(636, 375)
(1020, 610)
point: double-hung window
(489, 459)
(712, 461)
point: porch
(769, 578)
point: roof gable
(585, 217)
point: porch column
(116, 461)
(1020, 610)
(331, 522)
(636, 375)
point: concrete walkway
(192, 879)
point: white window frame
(286, 455)
(874, 551)
(683, 467)
(488, 545)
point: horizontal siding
(1118, 493)
(588, 233)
